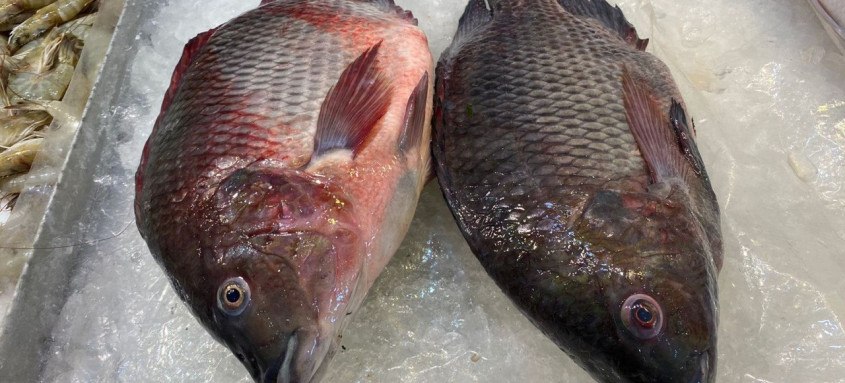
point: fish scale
(298, 91)
(504, 94)
(575, 191)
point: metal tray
(92, 305)
(35, 243)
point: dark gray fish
(565, 155)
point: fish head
(665, 327)
(265, 313)
(272, 280)
(655, 310)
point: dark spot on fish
(349, 313)
(644, 315)
(233, 295)
(343, 347)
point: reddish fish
(283, 173)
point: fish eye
(233, 296)
(642, 316)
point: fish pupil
(644, 316)
(233, 295)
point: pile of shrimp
(40, 44)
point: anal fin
(415, 112)
(609, 15)
(663, 136)
(353, 106)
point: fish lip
(702, 368)
(703, 373)
(282, 369)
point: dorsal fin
(611, 16)
(189, 53)
(415, 116)
(663, 136)
(353, 106)
(475, 15)
(390, 6)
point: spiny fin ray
(390, 6)
(611, 16)
(189, 53)
(475, 16)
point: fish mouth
(292, 360)
(702, 369)
(281, 370)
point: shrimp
(28, 57)
(79, 27)
(7, 203)
(46, 18)
(17, 183)
(4, 46)
(22, 126)
(12, 185)
(11, 8)
(25, 53)
(11, 22)
(5, 57)
(18, 159)
(43, 83)
(4, 86)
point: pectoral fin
(353, 106)
(663, 136)
(415, 113)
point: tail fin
(611, 16)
